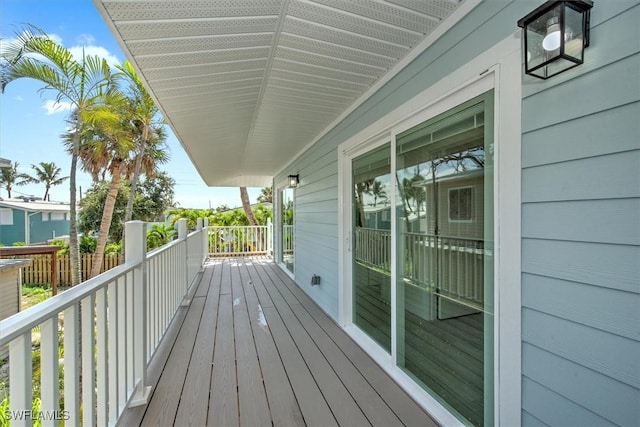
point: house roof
(246, 85)
(35, 206)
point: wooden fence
(39, 272)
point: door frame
(498, 69)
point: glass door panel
(444, 212)
(286, 232)
(371, 175)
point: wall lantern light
(294, 180)
(555, 35)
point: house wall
(13, 233)
(317, 194)
(580, 212)
(10, 291)
(581, 232)
(41, 231)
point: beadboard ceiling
(247, 84)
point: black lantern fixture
(294, 180)
(555, 35)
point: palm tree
(82, 83)
(149, 135)
(266, 195)
(49, 174)
(246, 206)
(106, 146)
(159, 235)
(377, 191)
(10, 176)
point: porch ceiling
(247, 84)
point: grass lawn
(34, 294)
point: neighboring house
(543, 328)
(32, 221)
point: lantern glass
(555, 37)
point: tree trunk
(73, 223)
(246, 205)
(128, 213)
(105, 223)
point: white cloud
(100, 51)
(86, 39)
(54, 107)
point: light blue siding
(581, 232)
(580, 211)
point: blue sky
(31, 125)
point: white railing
(108, 328)
(240, 240)
(287, 239)
(453, 267)
(373, 248)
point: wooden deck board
(223, 399)
(252, 399)
(164, 403)
(254, 349)
(194, 401)
(282, 401)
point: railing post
(205, 240)
(182, 235)
(136, 253)
(269, 237)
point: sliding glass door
(371, 263)
(445, 257)
(421, 254)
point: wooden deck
(253, 350)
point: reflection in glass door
(287, 242)
(444, 212)
(372, 244)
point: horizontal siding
(611, 355)
(597, 264)
(605, 309)
(581, 232)
(614, 221)
(10, 293)
(552, 408)
(618, 402)
(606, 133)
(603, 177)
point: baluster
(49, 376)
(88, 361)
(71, 368)
(20, 377)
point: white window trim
(57, 216)
(6, 213)
(499, 69)
(460, 221)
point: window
(460, 204)
(45, 216)
(57, 216)
(6, 216)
